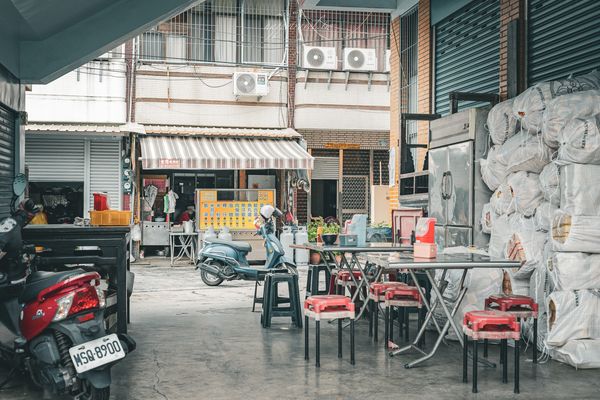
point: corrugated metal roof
(284, 133)
(77, 128)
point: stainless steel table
(443, 262)
(328, 253)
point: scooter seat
(40, 280)
(239, 246)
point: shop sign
(169, 163)
(342, 146)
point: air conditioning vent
(250, 84)
(324, 58)
(356, 59)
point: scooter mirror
(19, 184)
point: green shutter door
(563, 38)
(7, 158)
(467, 53)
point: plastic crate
(110, 218)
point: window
(222, 31)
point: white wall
(354, 106)
(94, 92)
(203, 96)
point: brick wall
(316, 138)
(395, 104)
(292, 62)
(425, 74)
(511, 10)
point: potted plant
(312, 229)
(330, 233)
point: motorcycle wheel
(89, 392)
(210, 279)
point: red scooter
(57, 318)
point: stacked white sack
(543, 216)
(501, 122)
(583, 353)
(573, 271)
(580, 141)
(524, 152)
(573, 315)
(578, 233)
(540, 287)
(487, 218)
(563, 109)
(492, 172)
(529, 105)
(580, 189)
(549, 182)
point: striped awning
(167, 152)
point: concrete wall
(94, 92)
(203, 96)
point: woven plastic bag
(492, 172)
(580, 141)
(526, 244)
(575, 271)
(563, 109)
(524, 152)
(526, 192)
(540, 287)
(501, 122)
(575, 233)
(581, 354)
(529, 105)
(487, 218)
(573, 315)
(502, 200)
(580, 189)
(549, 182)
(543, 216)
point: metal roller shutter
(7, 158)
(52, 159)
(563, 38)
(326, 168)
(467, 53)
(105, 171)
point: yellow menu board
(234, 214)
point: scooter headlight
(64, 305)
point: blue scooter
(222, 260)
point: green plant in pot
(330, 233)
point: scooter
(222, 260)
(57, 319)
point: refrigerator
(456, 191)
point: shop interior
(62, 201)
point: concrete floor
(197, 342)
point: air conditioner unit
(250, 84)
(360, 59)
(320, 58)
(388, 65)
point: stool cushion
(406, 292)
(379, 288)
(325, 303)
(490, 321)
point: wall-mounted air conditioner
(250, 84)
(356, 59)
(324, 58)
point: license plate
(93, 354)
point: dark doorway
(324, 198)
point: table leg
(172, 248)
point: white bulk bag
(512, 285)
(549, 182)
(526, 246)
(526, 192)
(502, 200)
(575, 232)
(499, 237)
(584, 353)
(540, 287)
(563, 109)
(579, 141)
(543, 216)
(580, 189)
(573, 315)
(487, 218)
(529, 105)
(501, 122)
(492, 172)
(524, 152)
(574, 271)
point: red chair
(328, 307)
(522, 307)
(376, 296)
(401, 297)
(496, 325)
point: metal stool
(272, 301)
(401, 297)
(496, 325)
(376, 296)
(522, 307)
(328, 307)
(313, 279)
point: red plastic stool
(401, 297)
(496, 325)
(377, 295)
(522, 307)
(328, 307)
